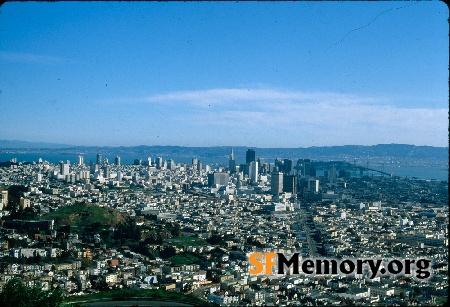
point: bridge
(366, 168)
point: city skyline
(209, 74)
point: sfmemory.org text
(263, 263)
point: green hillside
(86, 215)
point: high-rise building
(304, 167)
(159, 163)
(137, 161)
(94, 168)
(232, 163)
(194, 162)
(290, 184)
(250, 156)
(63, 168)
(99, 159)
(80, 160)
(253, 171)
(279, 165)
(117, 161)
(218, 178)
(276, 183)
(313, 185)
(171, 165)
(333, 174)
(288, 166)
(107, 171)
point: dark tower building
(288, 166)
(251, 156)
(290, 184)
(305, 168)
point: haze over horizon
(254, 74)
(41, 145)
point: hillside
(86, 215)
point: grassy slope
(85, 215)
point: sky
(256, 74)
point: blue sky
(257, 74)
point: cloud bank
(282, 118)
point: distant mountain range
(8, 144)
(222, 152)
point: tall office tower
(276, 183)
(149, 161)
(279, 164)
(105, 161)
(80, 160)
(63, 168)
(94, 168)
(218, 178)
(117, 161)
(261, 163)
(107, 171)
(159, 162)
(333, 174)
(194, 162)
(304, 167)
(232, 163)
(171, 165)
(288, 166)
(290, 184)
(3, 198)
(250, 157)
(119, 176)
(137, 161)
(199, 166)
(313, 185)
(99, 159)
(253, 171)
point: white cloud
(233, 95)
(276, 117)
(321, 118)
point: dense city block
(85, 228)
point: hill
(11, 144)
(86, 215)
(221, 154)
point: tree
(167, 252)
(16, 294)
